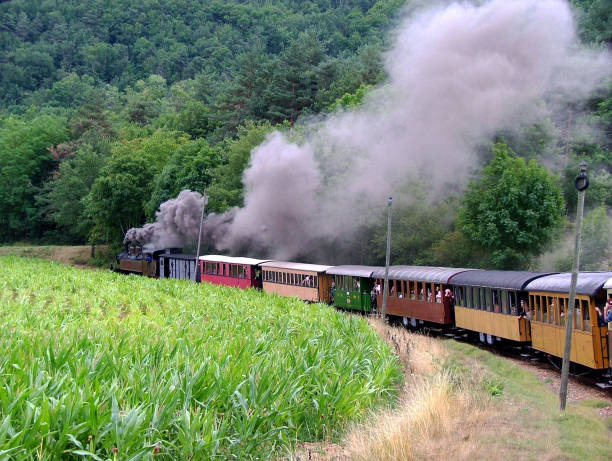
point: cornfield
(107, 366)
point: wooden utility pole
(388, 257)
(204, 202)
(581, 183)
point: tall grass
(108, 366)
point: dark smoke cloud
(177, 222)
(457, 74)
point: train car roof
(589, 283)
(353, 271)
(512, 280)
(178, 256)
(296, 266)
(419, 273)
(233, 260)
(608, 284)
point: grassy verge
(74, 255)
(532, 409)
(463, 403)
(107, 366)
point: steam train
(524, 308)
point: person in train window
(378, 288)
(438, 295)
(608, 310)
(450, 296)
(562, 316)
(524, 310)
(606, 316)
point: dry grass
(439, 417)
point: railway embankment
(461, 402)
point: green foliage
(138, 367)
(351, 100)
(595, 20)
(191, 166)
(596, 240)
(66, 194)
(25, 164)
(494, 386)
(227, 189)
(513, 211)
(121, 41)
(119, 195)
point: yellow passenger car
(548, 302)
(305, 281)
(493, 303)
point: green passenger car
(352, 287)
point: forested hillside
(109, 108)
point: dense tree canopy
(513, 211)
(108, 108)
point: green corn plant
(104, 366)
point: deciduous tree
(513, 211)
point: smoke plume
(177, 222)
(456, 75)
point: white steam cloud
(457, 74)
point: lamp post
(386, 284)
(581, 183)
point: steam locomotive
(520, 307)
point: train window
(544, 308)
(534, 306)
(460, 296)
(584, 305)
(551, 309)
(513, 302)
(505, 305)
(468, 297)
(495, 301)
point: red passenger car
(231, 271)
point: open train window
(496, 301)
(584, 305)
